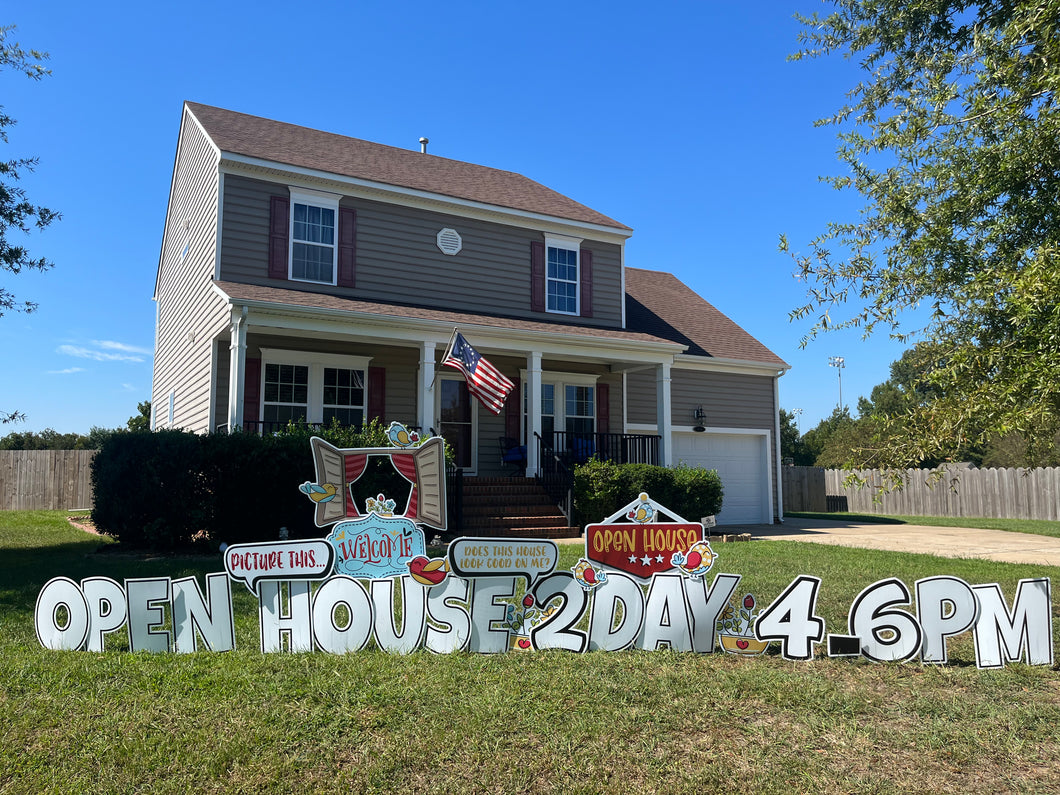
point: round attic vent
(449, 242)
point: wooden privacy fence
(1000, 493)
(45, 479)
(804, 489)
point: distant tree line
(50, 439)
(847, 441)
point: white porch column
(425, 393)
(237, 366)
(664, 415)
(533, 401)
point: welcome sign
(646, 581)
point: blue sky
(683, 120)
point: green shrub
(603, 487)
(148, 489)
(170, 489)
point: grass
(540, 722)
(1039, 527)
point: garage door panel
(739, 461)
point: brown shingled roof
(288, 144)
(283, 297)
(660, 304)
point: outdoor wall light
(700, 418)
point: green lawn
(1039, 527)
(522, 722)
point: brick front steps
(512, 508)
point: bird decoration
(319, 493)
(697, 561)
(643, 513)
(402, 436)
(588, 577)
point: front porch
(513, 504)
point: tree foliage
(141, 420)
(17, 212)
(51, 439)
(952, 138)
(791, 446)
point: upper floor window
(561, 276)
(314, 228)
(561, 281)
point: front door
(458, 419)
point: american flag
(484, 381)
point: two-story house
(305, 274)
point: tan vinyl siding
(730, 400)
(190, 313)
(398, 259)
(640, 397)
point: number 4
(791, 620)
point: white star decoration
(659, 558)
(646, 560)
(632, 558)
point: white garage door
(741, 463)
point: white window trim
(560, 381)
(314, 198)
(316, 362)
(570, 244)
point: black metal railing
(560, 451)
(555, 476)
(621, 448)
(454, 497)
(262, 427)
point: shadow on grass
(24, 571)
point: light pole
(795, 413)
(838, 363)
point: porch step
(512, 508)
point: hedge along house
(308, 275)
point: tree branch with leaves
(17, 213)
(952, 139)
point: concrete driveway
(947, 542)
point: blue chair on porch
(513, 453)
(582, 449)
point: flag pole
(448, 349)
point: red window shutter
(279, 206)
(585, 263)
(537, 276)
(251, 391)
(347, 247)
(603, 408)
(377, 393)
(513, 412)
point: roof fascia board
(394, 194)
(719, 365)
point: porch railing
(560, 451)
(621, 448)
(454, 497)
(556, 477)
(262, 427)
